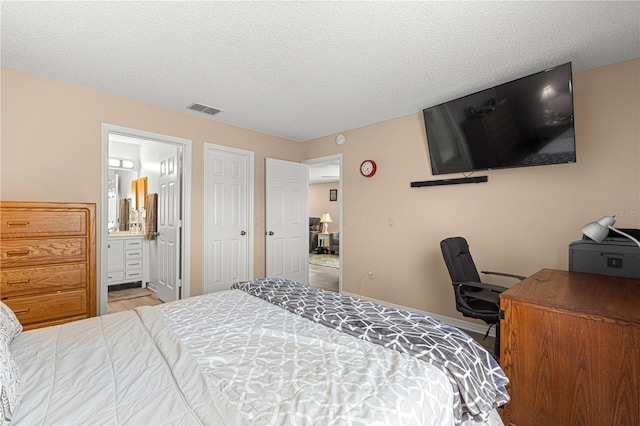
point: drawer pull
(18, 223)
(22, 282)
(22, 311)
(18, 253)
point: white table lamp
(599, 230)
(325, 220)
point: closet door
(228, 233)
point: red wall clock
(368, 168)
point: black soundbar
(457, 181)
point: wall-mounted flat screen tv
(525, 122)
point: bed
(264, 352)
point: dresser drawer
(17, 223)
(133, 254)
(134, 265)
(50, 306)
(25, 281)
(134, 275)
(115, 276)
(133, 244)
(26, 252)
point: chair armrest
(502, 274)
(487, 286)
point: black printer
(616, 255)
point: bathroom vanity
(126, 258)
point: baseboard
(454, 322)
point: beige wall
(522, 220)
(319, 203)
(51, 148)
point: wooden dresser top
(599, 295)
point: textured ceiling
(303, 70)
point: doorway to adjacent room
(325, 222)
(148, 164)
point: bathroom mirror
(119, 188)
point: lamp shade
(599, 230)
(326, 218)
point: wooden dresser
(48, 261)
(570, 345)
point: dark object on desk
(474, 298)
(616, 255)
(570, 350)
(635, 233)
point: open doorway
(325, 222)
(133, 254)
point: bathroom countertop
(125, 234)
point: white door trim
(340, 192)
(102, 231)
(250, 155)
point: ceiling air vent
(205, 109)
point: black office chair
(474, 298)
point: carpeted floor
(329, 260)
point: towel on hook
(151, 224)
(124, 215)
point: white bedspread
(109, 370)
(225, 358)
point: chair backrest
(314, 224)
(458, 258)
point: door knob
(270, 232)
(243, 233)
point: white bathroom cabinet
(125, 259)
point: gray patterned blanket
(477, 380)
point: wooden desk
(571, 349)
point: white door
(169, 223)
(287, 220)
(228, 201)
